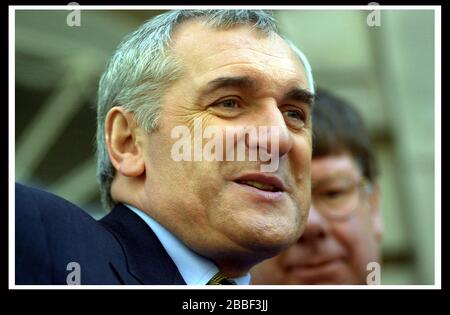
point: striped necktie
(220, 279)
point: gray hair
(141, 70)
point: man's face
(331, 250)
(232, 78)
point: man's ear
(124, 146)
(374, 200)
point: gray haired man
(202, 221)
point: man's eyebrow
(301, 95)
(339, 175)
(243, 82)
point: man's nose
(316, 227)
(274, 131)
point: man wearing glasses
(344, 228)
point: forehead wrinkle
(288, 62)
(186, 46)
(249, 55)
(261, 79)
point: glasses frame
(364, 191)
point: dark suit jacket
(119, 249)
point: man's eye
(295, 116)
(228, 104)
(333, 194)
(338, 192)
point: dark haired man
(343, 228)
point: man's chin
(267, 247)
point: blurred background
(386, 71)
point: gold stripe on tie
(220, 279)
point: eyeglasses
(340, 201)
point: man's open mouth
(259, 185)
(262, 181)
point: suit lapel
(147, 259)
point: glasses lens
(338, 201)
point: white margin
(264, 7)
(437, 149)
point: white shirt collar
(194, 269)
